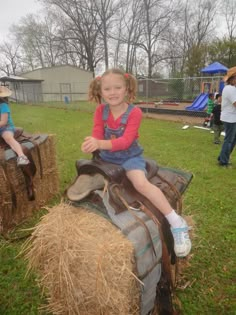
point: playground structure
(199, 102)
(190, 108)
(215, 86)
(189, 95)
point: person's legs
(216, 129)
(11, 141)
(179, 227)
(221, 128)
(234, 140)
(229, 143)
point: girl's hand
(90, 145)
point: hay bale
(13, 185)
(86, 265)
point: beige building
(23, 90)
(62, 83)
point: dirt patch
(192, 120)
(163, 105)
(177, 118)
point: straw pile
(85, 263)
(12, 183)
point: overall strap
(124, 118)
(105, 113)
(126, 115)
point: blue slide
(199, 103)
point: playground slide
(199, 103)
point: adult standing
(228, 116)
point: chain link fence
(178, 96)
(186, 97)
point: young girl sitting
(7, 126)
(115, 135)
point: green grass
(74, 105)
(210, 199)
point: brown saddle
(122, 193)
(96, 175)
(172, 182)
(28, 171)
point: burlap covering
(12, 183)
(86, 265)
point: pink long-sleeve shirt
(130, 133)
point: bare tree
(82, 28)
(125, 34)
(132, 32)
(10, 58)
(106, 11)
(51, 46)
(156, 18)
(118, 44)
(29, 35)
(138, 35)
(196, 28)
(228, 11)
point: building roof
(56, 66)
(214, 67)
(14, 78)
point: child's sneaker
(182, 242)
(22, 160)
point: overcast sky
(13, 10)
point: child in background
(7, 126)
(218, 125)
(210, 106)
(115, 135)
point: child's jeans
(217, 131)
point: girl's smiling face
(113, 89)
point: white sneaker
(182, 242)
(22, 160)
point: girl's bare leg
(179, 227)
(10, 140)
(151, 192)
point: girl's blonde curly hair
(94, 93)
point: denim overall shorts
(129, 159)
(7, 128)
